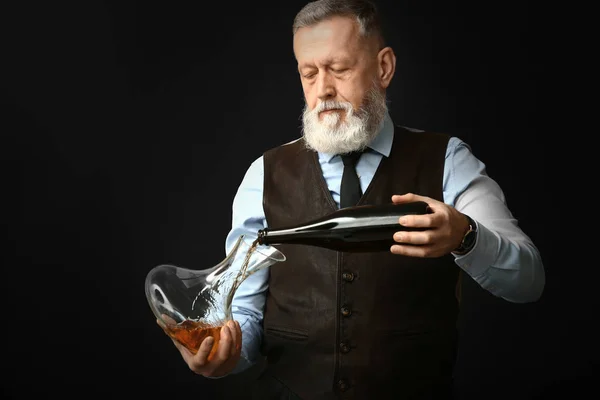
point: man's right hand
(224, 360)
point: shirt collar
(382, 143)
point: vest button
(346, 311)
(348, 276)
(342, 385)
(344, 348)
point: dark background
(127, 127)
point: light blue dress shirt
(504, 260)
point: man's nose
(325, 87)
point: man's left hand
(444, 229)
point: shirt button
(346, 311)
(342, 385)
(344, 348)
(348, 276)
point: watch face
(469, 239)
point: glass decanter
(191, 304)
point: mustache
(332, 105)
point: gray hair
(364, 11)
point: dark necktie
(350, 192)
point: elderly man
(355, 325)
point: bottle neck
(268, 236)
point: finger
(413, 238)
(409, 250)
(167, 319)
(238, 328)
(200, 359)
(224, 345)
(409, 197)
(418, 221)
(234, 336)
(166, 330)
(164, 323)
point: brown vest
(345, 325)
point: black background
(127, 127)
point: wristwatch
(468, 240)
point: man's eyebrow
(327, 61)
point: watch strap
(466, 245)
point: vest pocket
(287, 333)
(280, 344)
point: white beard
(334, 136)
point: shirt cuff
(483, 254)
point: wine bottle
(366, 228)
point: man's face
(334, 63)
(338, 70)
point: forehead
(334, 38)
